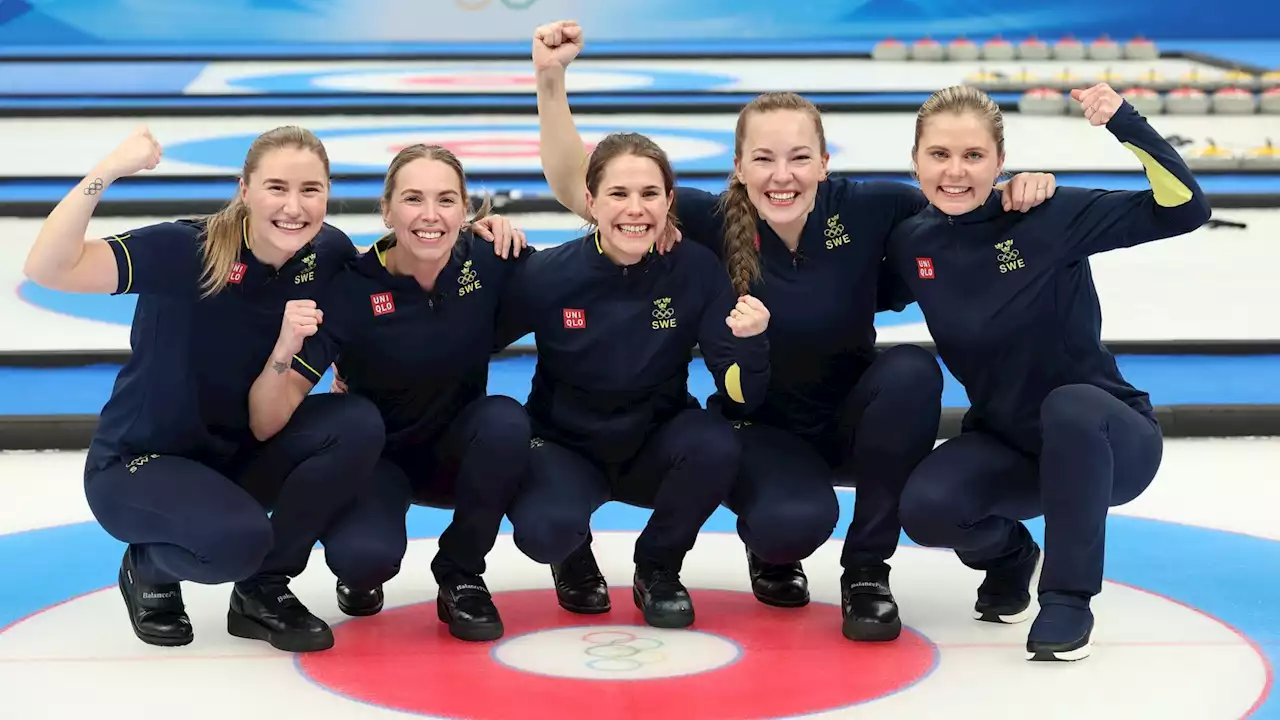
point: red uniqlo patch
(925, 266)
(575, 319)
(237, 273)
(382, 303)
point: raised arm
(564, 155)
(63, 258)
(1103, 220)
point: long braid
(741, 255)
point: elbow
(747, 392)
(262, 429)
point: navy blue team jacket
(1009, 297)
(420, 356)
(615, 343)
(822, 298)
(185, 389)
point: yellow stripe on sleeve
(733, 383)
(1169, 191)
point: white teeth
(428, 235)
(289, 226)
(955, 190)
(634, 229)
(781, 196)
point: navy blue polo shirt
(822, 298)
(1009, 297)
(615, 342)
(185, 389)
(420, 355)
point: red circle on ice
(791, 662)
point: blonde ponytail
(224, 232)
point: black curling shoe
(778, 585)
(580, 586)
(870, 612)
(265, 609)
(1005, 594)
(156, 612)
(662, 598)
(465, 605)
(1063, 631)
(359, 603)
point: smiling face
(781, 158)
(425, 205)
(630, 191)
(959, 149)
(287, 193)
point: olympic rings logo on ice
(474, 5)
(612, 651)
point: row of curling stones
(1032, 48)
(1024, 79)
(1183, 101)
(1213, 156)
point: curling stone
(1104, 48)
(889, 49)
(1239, 79)
(1150, 78)
(1110, 77)
(1196, 79)
(1270, 80)
(1212, 157)
(997, 48)
(1140, 48)
(1042, 101)
(1145, 100)
(928, 50)
(963, 50)
(1266, 157)
(1269, 101)
(1033, 48)
(1068, 48)
(1187, 101)
(1066, 79)
(1234, 101)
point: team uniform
(834, 404)
(422, 357)
(612, 416)
(173, 468)
(1053, 428)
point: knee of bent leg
(365, 562)
(912, 370)
(791, 530)
(710, 442)
(360, 424)
(235, 549)
(1075, 408)
(928, 512)
(504, 425)
(550, 535)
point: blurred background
(1195, 319)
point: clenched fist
(301, 320)
(138, 152)
(748, 318)
(1100, 103)
(556, 44)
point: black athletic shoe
(1063, 630)
(778, 585)
(870, 612)
(156, 612)
(265, 609)
(359, 603)
(465, 605)
(580, 586)
(1005, 594)
(662, 598)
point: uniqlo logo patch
(237, 273)
(575, 319)
(382, 303)
(925, 266)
